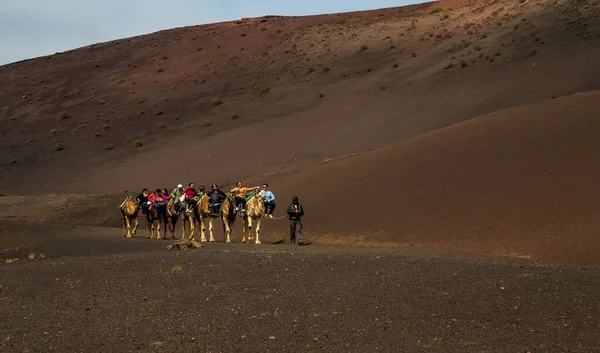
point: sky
(32, 28)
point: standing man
(269, 200)
(295, 213)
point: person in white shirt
(269, 200)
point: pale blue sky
(31, 28)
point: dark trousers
(240, 201)
(160, 211)
(296, 232)
(269, 207)
(214, 208)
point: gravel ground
(278, 298)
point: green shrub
(62, 116)
(121, 80)
(137, 143)
(59, 146)
(108, 146)
(160, 125)
(235, 116)
(216, 102)
(263, 90)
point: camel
(228, 214)
(205, 214)
(189, 215)
(172, 217)
(129, 211)
(255, 210)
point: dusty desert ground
(444, 152)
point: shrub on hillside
(137, 143)
(62, 116)
(59, 146)
(216, 101)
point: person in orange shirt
(240, 196)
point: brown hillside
(521, 181)
(159, 89)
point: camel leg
(210, 229)
(250, 237)
(192, 227)
(125, 226)
(158, 229)
(227, 231)
(202, 229)
(172, 227)
(257, 230)
(136, 224)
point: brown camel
(189, 215)
(129, 212)
(205, 214)
(228, 215)
(255, 210)
(172, 217)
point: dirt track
(243, 298)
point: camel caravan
(198, 207)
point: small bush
(62, 116)
(158, 112)
(216, 102)
(436, 10)
(263, 90)
(310, 69)
(121, 80)
(477, 47)
(382, 87)
(324, 69)
(176, 117)
(395, 65)
(321, 95)
(369, 69)
(159, 70)
(392, 46)
(206, 123)
(463, 64)
(160, 125)
(141, 101)
(364, 47)
(340, 21)
(141, 112)
(221, 89)
(235, 116)
(108, 146)
(52, 131)
(243, 34)
(448, 66)
(60, 146)
(137, 143)
(5, 109)
(98, 134)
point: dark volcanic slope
(270, 299)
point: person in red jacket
(159, 203)
(190, 195)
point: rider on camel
(190, 195)
(178, 195)
(142, 201)
(240, 196)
